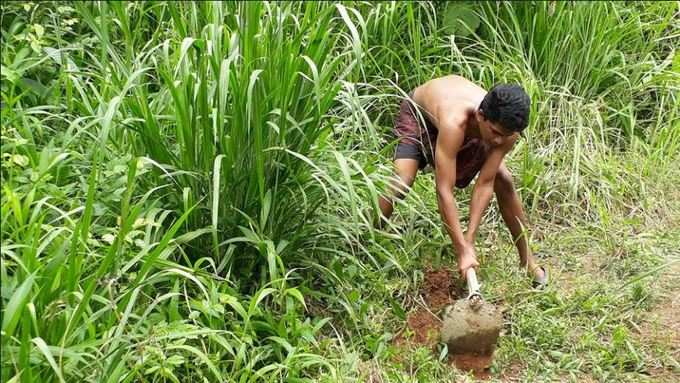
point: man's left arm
(483, 189)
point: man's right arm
(449, 140)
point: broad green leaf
(460, 18)
(44, 349)
(204, 358)
(15, 306)
(295, 293)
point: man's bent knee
(401, 188)
(503, 181)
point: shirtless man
(470, 131)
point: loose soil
(513, 373)
(662, 323)
(424, 326)
(477, 364)
(438, 288)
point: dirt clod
(423, 327)
(437, 288)
(468, 329)
(475, 363)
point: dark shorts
(417, 137)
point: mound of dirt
(437, 288)
(477, 364)
(471, 327)
(423, 326)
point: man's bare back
(441, 95)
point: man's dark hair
(507, 105)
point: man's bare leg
(406, 169)
(513, 215)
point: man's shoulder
(452, 77)
(454, 82)
(453, 114)
(454, 92)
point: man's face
(492, 133)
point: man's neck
(472, 128)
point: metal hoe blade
(471, 325)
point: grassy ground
(610, 313)
(188, 190)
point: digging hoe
(471, 325)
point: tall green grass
(221, 117)
(236, 105)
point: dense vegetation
(188, 189)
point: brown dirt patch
(422, 329)
(570, 281)
(663, 320)
(437, 288)
(661, 325)
(477, 364)
(423, 326)
(513, 373)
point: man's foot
(540, 278)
